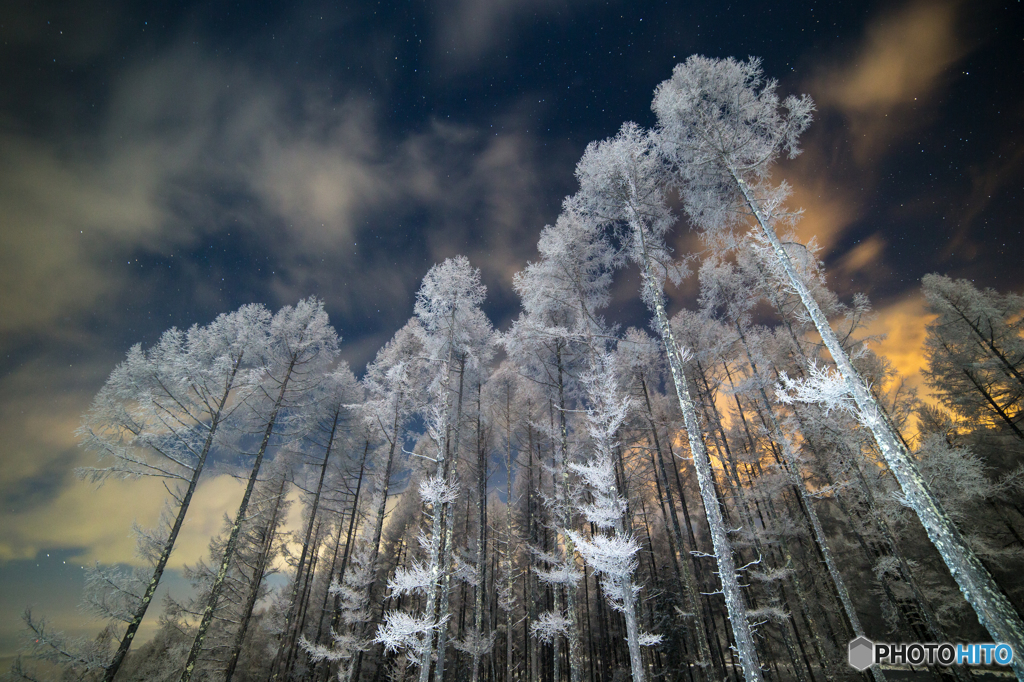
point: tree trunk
(161, 564)
(575, 647)
(994, 405)
(734, 600)
(700, 633)
(288, 638)
(336, 611)
(994, 610)
(254, 589)
(481, 553)
(448, 558)
(438, 529)
(229, 549)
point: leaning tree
(721, 125)
(159, 415)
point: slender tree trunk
(254, 589)
(509, 577)
(448, 558)
(711, 626)
(826, 661)
(438, 563)
(700, 633)
(734, 599)
(575, 646)
(989, 344)
(133, 627)
(481, 463)
(288, 638)
(336, 610)
(994, 405)
(378, 530)
(307, 590)
(528, 577)
(994, 610)
(229, 549)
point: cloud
(902, 321)
(466, 29)
(863, 258)
(64, 222)
(829, 207)
(865, 104)
(485, 197)
(192, 146)
(900, 63)
(318, 176)
(40, 407)
(46, 508)
(97, 523)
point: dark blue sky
(162, 164)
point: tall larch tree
(622, 183)
(454, 332)
(723, 127)
(561, 294)
(324, 424)
(160, 414)
(300, 346)
(975, 348)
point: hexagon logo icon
(862, 653)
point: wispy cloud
(867, 103)
(901, 63)
(901, 323)
(192, 147)
(467, 29)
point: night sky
(163, 164)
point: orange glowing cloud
(100, 521)
(863, 257)
(903, 323)
(880, 94)
(901, 62)
(828, 208)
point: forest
(735, 493)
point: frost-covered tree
(352, 593)
(256, 560)
(727, 290)
(561, 294)
(327, 415)
(640, 364)
(258, 546)
(392, 382)
(300, 346)
(723, 128)
(612, 551)
(476, 641)
(975, 350)
(503, 391)
(78, 657)
(454, 333)
(159, 415)
(622, 182)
